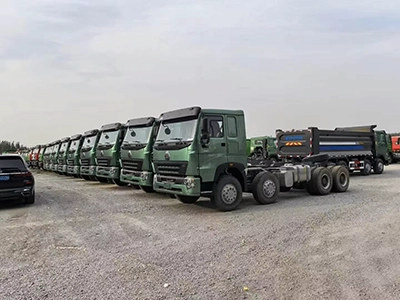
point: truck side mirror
(205, 135)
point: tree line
(10, 146)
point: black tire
(379, 166)
(284, 189)
(102, 179)
(135, 186)
(92, 178)
(273, 160)
(86, 177)
(30, 199)
(343, 163)
(266, 188)
(119, 182)
(367, 167)
(147, 189)
(321, 182)
(172, 196)
(227, 193)
(187, 199)
(341, 179)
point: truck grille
(70, 162)
(85, 162)
(132, 165)
(103, 162)
(171, 168)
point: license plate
(4, 178)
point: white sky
(70, 66)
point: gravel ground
(86, 240)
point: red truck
(396, 148)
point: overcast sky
(68, 66)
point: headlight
(144, 175)
(252, 149)
(189, 182)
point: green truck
(88, 154)
(41, 156)
(263, 147)
(47, 156)
(136, 152)
(54, 156)
(108, 153)
(63, 156)
(202, 152)
(74, 154)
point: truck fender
(236, 169)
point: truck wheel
(227, 193)
(119, 182)
(30, 199)
(102, 179)
(147, 189)
(367, 168)
(135, 186)
(86, 177)
(321, 182)
(266, 188)
(172, 196)
(341, 179)
(379, 166)
(343, 163)
(187, 199)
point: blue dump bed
(340, 142)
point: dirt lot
(86, 240)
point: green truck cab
(136, 152)
(108, 153)
(54, 156)
(74, 154)
(88, 154)
(63, 156)
(263, 147)
(47, 156)
(202, 152)
(41, 156)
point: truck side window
(232, 128)
(215, 126)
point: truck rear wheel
(266, 188)
(367, 168)
(187, 199)
(147, 189)
(321, 182)
(227, 193)
(341, 179)
(379, 166)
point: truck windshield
(137, 135)
(89, 141)
(74, 145)
(63, 147)
(180, 131)
(48, 150)
(108, 137)
(36, 150)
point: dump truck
(359, 148)
(202, 152)
(41, 156)
(54, 156)
(263, 148)
(34, 157)
(47, 156)
(108, 166)
(136, 152)
(63, 156)
(74, 154)
(395, 148)
(88, 154)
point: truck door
(381, 145)
(214, 153)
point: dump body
(88, 152)
(185, 163)
(136, 151)
(108, 151)
(74, 154)
(350, 146)
(396, 148)
(63, 155)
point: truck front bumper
(88, 170)
(143, 178)
(396, 155)
(73, 170)
(108, 172)
(185, 186)
(62, 168)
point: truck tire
(101, 179)
(86, 177)
(379, 166)
(147, 189)
(172, 196)
(343, 163)
(187, 199)
(119, 182)
(341, 179)
(135, 186)
(367, 167)
(227, 193)
(321, 182)
(266, 188)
